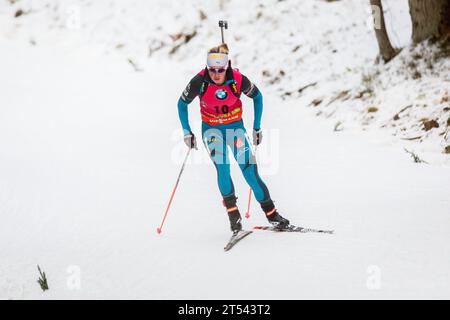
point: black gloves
(257, 136)
(190, 141)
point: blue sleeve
(258, 108)
(183, 115)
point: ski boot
(273, 216)
(233, 213)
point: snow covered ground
(90, 149)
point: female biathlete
(219, 87)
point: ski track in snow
(90, 150)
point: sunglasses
(213, 70)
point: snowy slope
(320, 54)
(90, 149)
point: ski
(235, 238)
(292, 228)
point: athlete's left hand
(257, 136)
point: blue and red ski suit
(223, 128)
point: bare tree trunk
(387, 52)
(430, 18)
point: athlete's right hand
(190, 141)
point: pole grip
(223, 24)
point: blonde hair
(223, 48)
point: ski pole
(223, 24)
(247, 214)
(159, 229)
